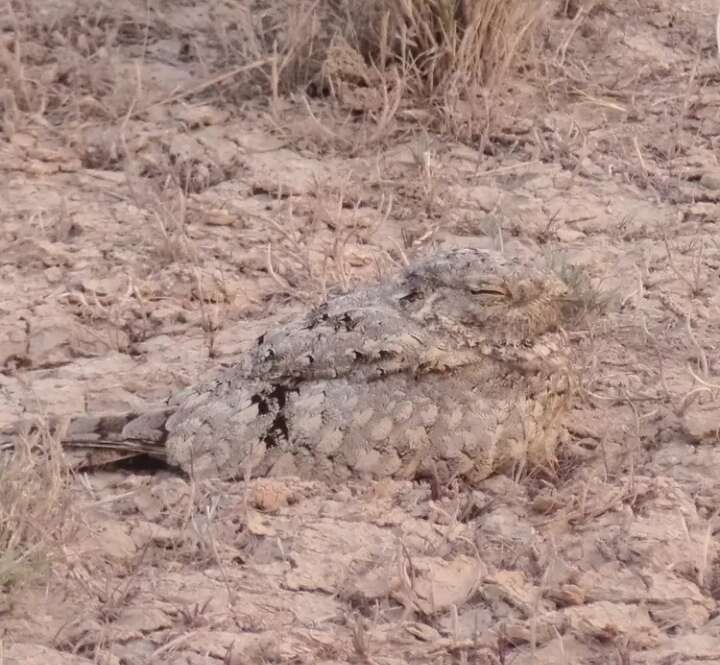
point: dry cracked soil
(140, 251)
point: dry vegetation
(180, 176)
(34, 506)
(61, 63)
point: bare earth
(117, 290)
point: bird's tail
(140, 432)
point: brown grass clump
(436, 46)
(443, 59)
(451, 44)
(34, 498)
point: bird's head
(481, 296)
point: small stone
(711, 179)
(485, 198)
(566, 234)
(53, 275)
(702, 423)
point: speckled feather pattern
(454, 368)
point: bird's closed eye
(489, 291)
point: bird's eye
(488, 291)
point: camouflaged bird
(455, 368)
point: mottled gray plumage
(452, 368)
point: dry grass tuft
(586, 299)
(34, 500)
(455, 45)
(436, 44)
(443, 59)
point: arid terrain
(164, 199)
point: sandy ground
(117, 289)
